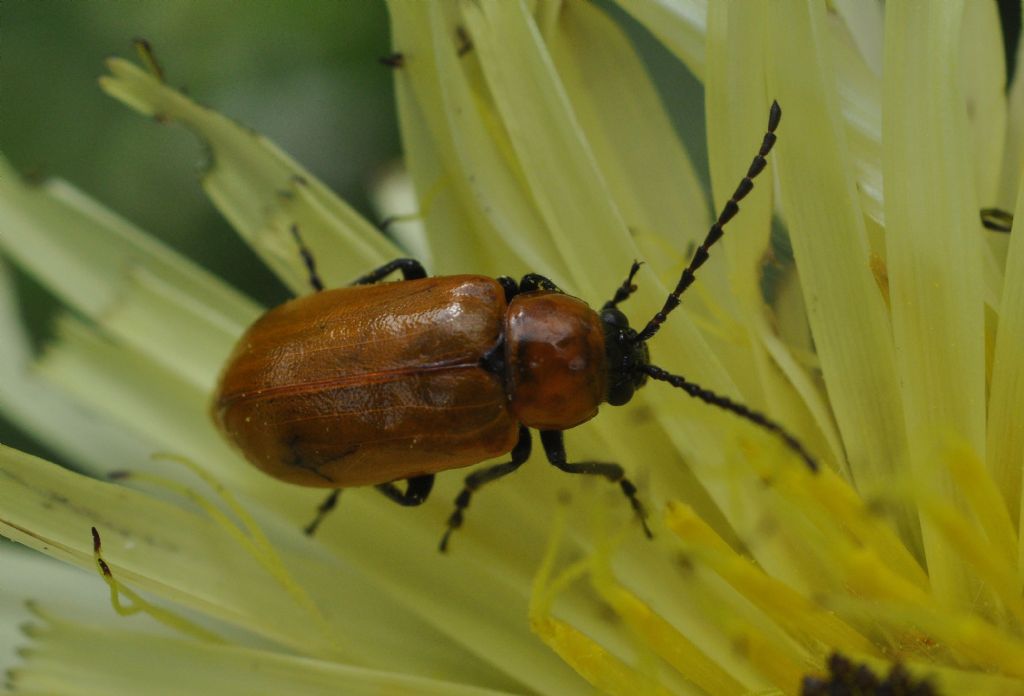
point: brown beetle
(372, 384)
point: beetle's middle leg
(321, 512)
(411, 270)
(416, 490)
(554, 448)
(520, 453)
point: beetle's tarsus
(325, 508)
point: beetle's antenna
(709, 397)
(715, 233)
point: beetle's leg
(520, 453)
(510, 286)
(416, 490)
(322, 511)
(535, 281)
(626, 289)
(996, 220)
(411, 270)
(554, 448)
(307, 258)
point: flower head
(876, 319)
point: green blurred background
(303, 73)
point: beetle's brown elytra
(378, 383)
(376, 378)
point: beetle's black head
(626, 354)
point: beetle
(377, 383)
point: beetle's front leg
(554, 448)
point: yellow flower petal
(848, 316)
(646, 170)
(472, 199)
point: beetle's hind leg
(416, 490)
(321, 512)
(554, 448)
(307, 258)
(411, 270)
(520, 453)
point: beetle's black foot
(321, 512)
(520, 453)
(455, 519)
(554, 448)
(630, 490)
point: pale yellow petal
(560, 171)
(151, 544)
(865, 20)
(71, 658)
(1005, 423)
(259, 189)
(934, 259)
(133, 390)
(139, 290)
(469, 183)
(1013, 150)
(679, 24)
(645, 167)
(982, 83)
(192, 560)
(848, 316)
(45, 411)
